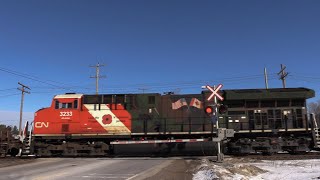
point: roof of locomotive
(62, 96)
(95, 95)
(273, 93)
(229, 94)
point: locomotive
(264, 120)
(271, 120)
(77, 124)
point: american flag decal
(178, 104)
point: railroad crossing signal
(214, 113)
(215, 92)
(209, 110)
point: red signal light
(208, 110)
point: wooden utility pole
(266, 78)
(23, 90)
(143, 89)
(97, 76)
(283, 75)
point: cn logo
(41, 124)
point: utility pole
(266, 78)
(23, 90)
(283, 75)
(97, 76)
(143, 89)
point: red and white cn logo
(215, 92)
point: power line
(10, 95)
(134, 87)
(9, 89)
(31, 77)
(311, 78)
(236, 78)
(188, 83)
(166, 86)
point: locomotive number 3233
(66, 113)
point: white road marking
(133, 176)
(106, 176)
(95, 174)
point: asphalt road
(156, 163)
(86, 168)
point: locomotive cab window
(64, 105)
(67, 105)
(75, 104)
(56, 104)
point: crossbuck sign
(215, 92)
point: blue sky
(167, 45)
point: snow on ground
(290, 169)
(244, 169)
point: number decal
(66, 113)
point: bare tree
(314, 107)
(15, 130)
(2, 127)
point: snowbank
(244, 169)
